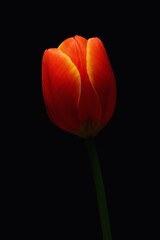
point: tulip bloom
(78, 86)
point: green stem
(100, 190)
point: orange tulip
(79, 86)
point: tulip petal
(75, 48)
(61, 85)
(101, 77)
(89, 105)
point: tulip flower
(79, 91)
(79, 86)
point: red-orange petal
(75, 48)
(61, 85)
(101, 77)
(89, 105)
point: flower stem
(100, 190)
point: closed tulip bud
(78, 86)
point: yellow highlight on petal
(73, 71)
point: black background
(48, 185)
